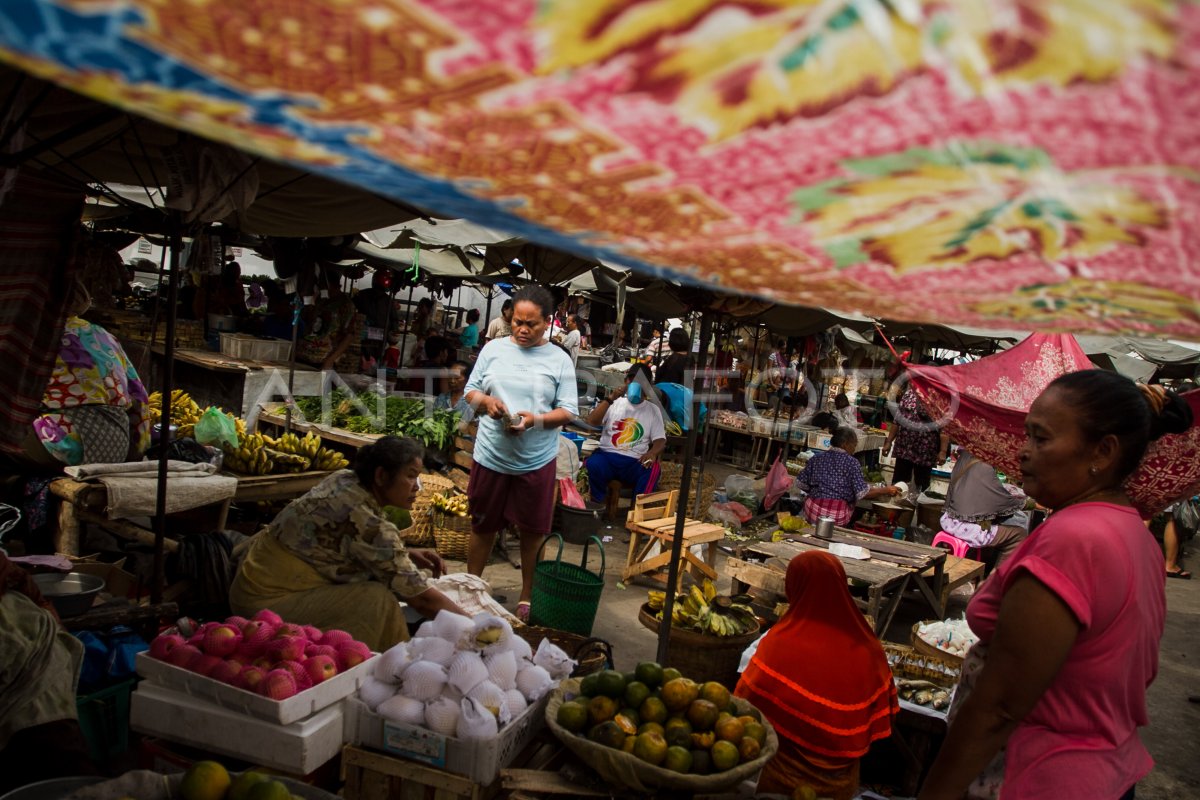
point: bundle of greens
(368, 412)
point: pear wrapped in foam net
(534, 681)
(374, 691)
(476, 722)
(407, 710)
(492, 633)
(390, 665)
(454, 628)
(439, 651)
(515, 702)
(423, 680)
(502, 669)
(492, 698)
(441, 715)
(554, 660)
(521, 649)
(467, 671)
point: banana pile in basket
(702, 610)
(454, 504)
(257, 454)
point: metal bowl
(72, 594)
(52, 788)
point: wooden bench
(652, 522)
(958, 572)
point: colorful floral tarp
(983, 406)
(1003, 163)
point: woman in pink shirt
(1052, 696)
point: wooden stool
(615, 492)
(652, 521)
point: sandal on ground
(523, 611)
(1181, 574)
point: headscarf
(976, 494)
(820, 675)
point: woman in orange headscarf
(820, 676)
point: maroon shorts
(499, 500)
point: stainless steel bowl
(72, 594)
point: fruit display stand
(619, 768)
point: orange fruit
(679, 693)
(715, 693)
(242, 784)
(646, 727)
(206, 780)
(269, 790)
(748, 749)
(724, 756)
(679, 759)
(651, 748)
(626, 724)
(653, 710)
(702, 714)
(601, 708)
(730, 730)
(607, 734)
(756, 731)
(573, 715)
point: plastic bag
(571, 498)
(721, 513)
(778, 482)
(216, 428)
(1187, 517)
(741, 489)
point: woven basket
(702, 495)
(452, 535)
(591, 654)
(925, 648)
(625, 769)
(702, 656)
(421, 532)
(906, 662)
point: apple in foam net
(299, 674)
(184, 655)
(270, 617)
(352, 653)
(291, 629)
(204, 664)
(278, 684)
(162, 645)
(320, 668)
(255, 635)
(335, 637)
(321, 650)
(313, 633)
(221, 640)
(288, 648)
(236, 621)
(250, 677)
(226, 671)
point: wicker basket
(421, 532)
(670, 478)
(591, 654)
(906, 662)
(624, 769)
(702, 656)
(925, 648)
(452, 535)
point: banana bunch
(295, 445)
(455, 504)
(327, 459)
(184, 411)
(702, 609)
(252, 457)
(672, 428)
(288, 462)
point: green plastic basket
(566, 596)
(104, 718)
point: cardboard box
(297, 748)
(283, 712)
(481, 761)
(819, 440)
(117, 582)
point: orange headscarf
(820, 675)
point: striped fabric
(38, 222)
(839, 510)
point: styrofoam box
(252, 348)
(479, 760)
(283, 712)
(298, 748)
(819, 440)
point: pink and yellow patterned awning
(1027, 164)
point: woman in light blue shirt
(523, 390)
(469, 337)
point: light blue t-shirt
(535, 379)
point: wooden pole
(164, 424)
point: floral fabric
(833, 475)
(341, 531)
(91, 369)
(916, 444)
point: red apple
(250, 678)
(204, 664)
(221, 640)
(162, 645)
(184, 655)
(299, 674)
(291, 629)
(236, 621)
(278, 684)
(226, 671)
(313, 633)
(351, 654)
(269, 617)
(320, 668)
(335, 637)
(287, 648)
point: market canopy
(995, 163)
(983, 405)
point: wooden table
(275, 416)
(894, 567)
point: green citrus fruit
(702, 714)
(601, 708)
(724, 756)
(636, 693)
(650, 673)
(572, 715)
(651, 748)
(240, 788)
(269, 790)
(670, 673)
(607, 734)
(647, 727)
(589, 686)
(611, 683)
(653, 710)
(679, 759)
(206, 780)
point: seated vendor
(632, 440)
(329, 325)
(834, 482)
(821, 678)
(454, 398)
(95, 405)
(982, 511)
(332, 559)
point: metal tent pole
(685, 486)
(164, 423)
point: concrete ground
(1172, 737)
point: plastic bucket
(566, 596)
(576, 439)
(578, 524)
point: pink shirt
(1080, 741)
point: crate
(283, 712)
(478, 761)
(374, 776)
(761, 425)
(104, 719)
(820, 440)
(251, 348)
(298, 748)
